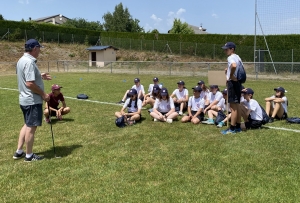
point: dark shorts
(177, 107)
(253, 124)
(284, 116)
(200, 116)
(33, 114)
(234, 91)
(53, 113)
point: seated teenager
(139, 88)
(133, 106)
(180, 97)
(195, 107)
(213, 104)
(155, 82)
(151, 97)
(55, 98)
(205, 90)
(276, 105)
(250, 111)
(164, 109)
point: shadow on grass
(54, 121)
(61, 151)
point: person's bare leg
(46, 113)
(278, 110)
(66, 111)
(29, 138)
(22, 137)
(234, 113)
(268, 108)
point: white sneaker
(180, 113)
(155, 120)
(169, 120)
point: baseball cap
(55, 87)
(155, 89)
(197, 88)
(224, 91)
(164, 92)
(136, 79)
(132, 92)
(214, 86)
(155, 79)
(201, 82)
(248, 91)
(181, 82)
(229, 45)
(31, 43)
(281, 89)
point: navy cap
(155, 89)
(155, 79)
(197, 88)
(229, 45)
(281, 89)
(224, 91)
(248, 91)
(136, 80)
(132, 92)
(181, 82)
(31, 43)
(164, 92)
(201, 82)
(214, 86)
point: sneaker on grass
(238, 130)
(209, 122)
(228, 131)
(121, 102)
(34, 157)
(19, 156)
(220, 124)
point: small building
(55, 19)
(198, 30)
(100, 56)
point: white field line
(99, 102)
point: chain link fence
(284, 70)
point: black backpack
(265, 117)
(82, 96)
(293, 120)
(220, 117)
(120, 122)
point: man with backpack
(234, 80)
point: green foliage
(16, 35)
(121, 21)
(180, 28)
(83, 24)
(1, 17)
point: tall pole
(255, 38)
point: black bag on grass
(82, 96)
(293, 120)
(120, 122)
(221, 116)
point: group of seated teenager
(206, 102)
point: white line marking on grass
(286, 129)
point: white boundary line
(99, 102)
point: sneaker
(228, 131)
(271, 120)
(238, 130)
(220, 124)
(180, 113)
(19, 156)
(155, 120)
(120, 102)
(209, 122)
(47, 120)
(169, 120)
(34, 157)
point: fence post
(292, 61)
(138, 68)
(57, 66)
(170, 68)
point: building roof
(197, 30)
(99, 48)
(44, 18)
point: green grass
(147, 162)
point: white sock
(29, 155)
(19, 151)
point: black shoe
(34, 157)
(121, 102)
(271, 120)
(18, 156)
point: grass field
(147, 162)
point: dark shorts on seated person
(200, 116)
(253, 124)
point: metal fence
(195, 69)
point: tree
(121, 21)
(1, 17)
(181, 28)
(84, 24)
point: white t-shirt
(284, 104)
(150, 89)
(233, 58)
(139, 88)
(222, 104)
(132, 108)
(164, 106)
(215, 97)
(204, 94)
(182, 94)
(196, 103)
(256, 112)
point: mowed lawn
(147, 162)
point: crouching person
(55, 98)
(164, 109)
(133, 106)
(195, 107)
(250, 111)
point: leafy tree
(181, 28)
(154, 31)
(1, 17)
(84, 24)
(121, 21)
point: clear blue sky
(217, 16)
